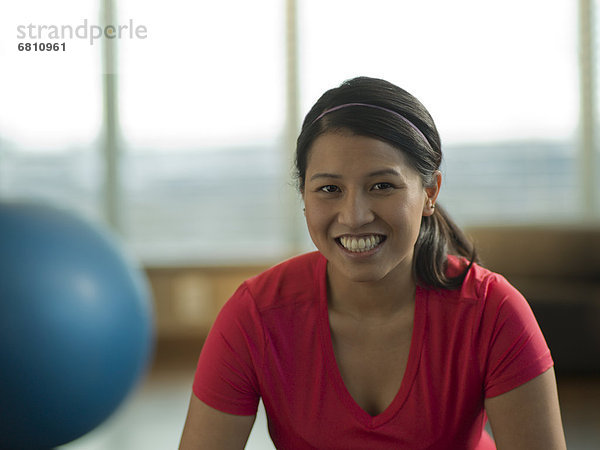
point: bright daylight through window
(205, 168)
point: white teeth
(362, 244)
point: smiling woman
(390, 335)
(421, 157)
(351, 181)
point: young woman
(391, 336)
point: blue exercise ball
(76, 326)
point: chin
(360, 276)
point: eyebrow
(372, 174)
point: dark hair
(439, 235)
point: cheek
(407, 215)
(319, 218)
(316, 215)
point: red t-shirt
(272, 340)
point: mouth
(361, 244)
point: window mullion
(588, 104)
(110, 144)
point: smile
(360, 244)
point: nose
(355, 210)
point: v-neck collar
(412, 365)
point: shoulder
(291, 281)
(494, 305)
(495, 319)
(480, 284)
(276, 294)
(486, 293)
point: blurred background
(182, 142)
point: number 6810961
(41, 47)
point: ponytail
(439, 236)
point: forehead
(343, 151)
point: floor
(153, 417)
(580, 408)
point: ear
(302, 192)
(432, 194)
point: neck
(371, 299)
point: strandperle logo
(83, 31)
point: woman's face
(364, 205)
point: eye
(382, 186)
(329, 188)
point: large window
(50, 106)
(202, 113)
(501, 86)
(204, 162)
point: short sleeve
(516, 349)
(226, 376)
